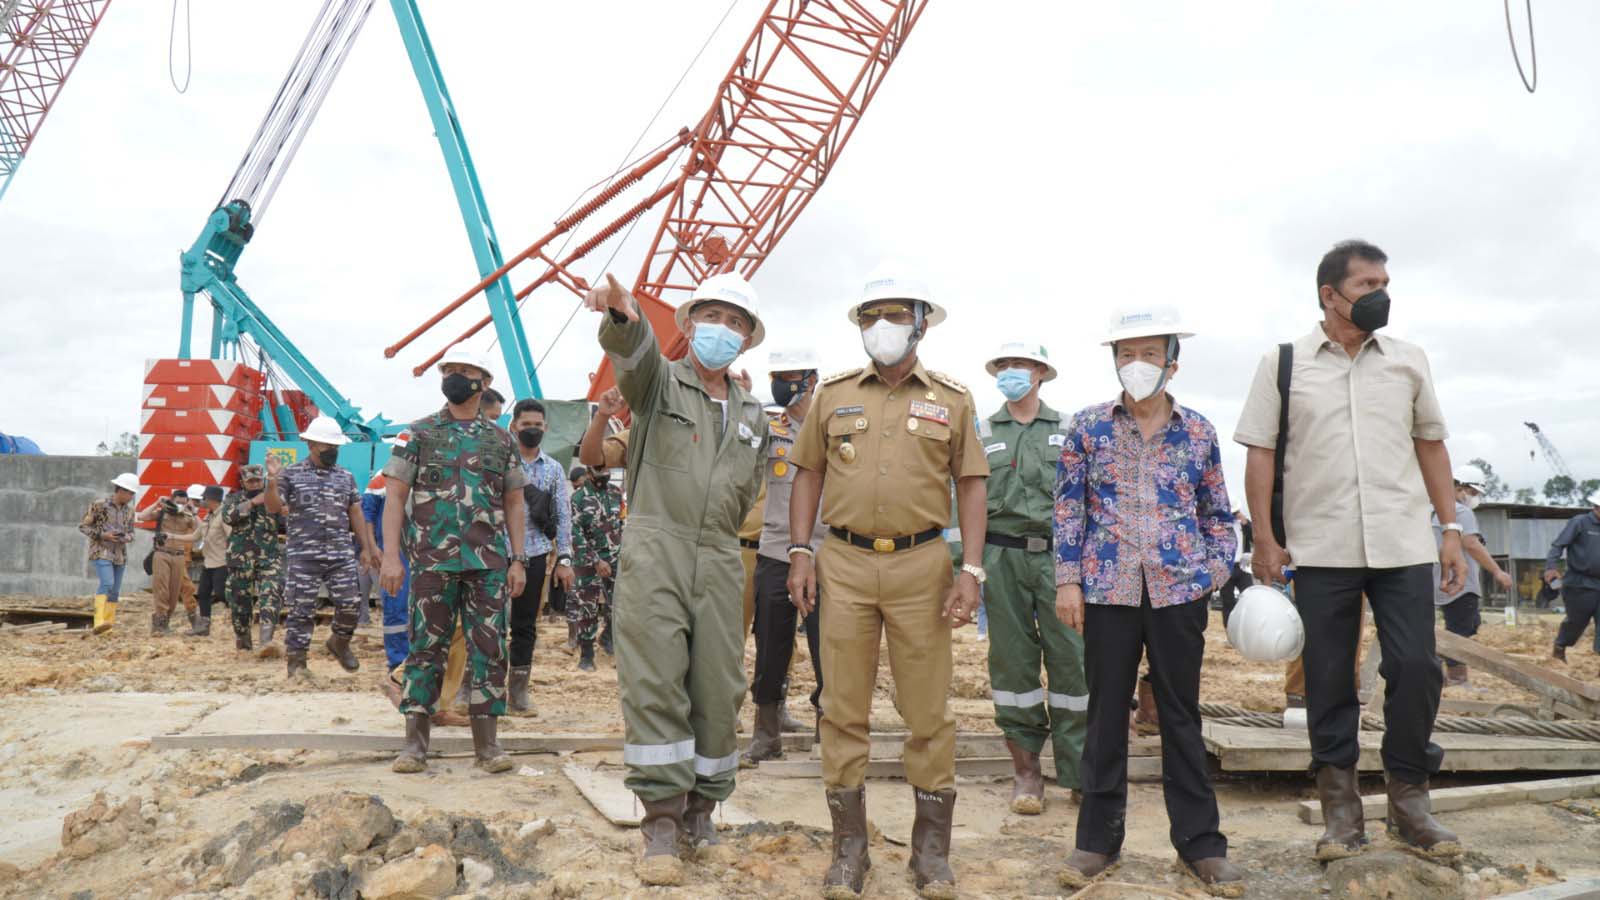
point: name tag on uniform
(748, 436)
(849, 410)
(1058, 440)
(994, 448)
(933, 412)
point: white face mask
(886, 342)
(1140, 379)
(1473, 500)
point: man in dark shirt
(1580, 587)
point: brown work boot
(297, 671)
(930, 844)
(701, 831)
(485, 747)
(788, 724)
(1146, 720)
(1455, 675)
(661, 828)
(1084, 868)
(1345, 829)
(517, 692)
(1027, 781)
(1216, 874)
(159, 628)
(1558, 653)
(339, 646)
(847, 874)
(414, 757)
(767, 742)
(1411, 822)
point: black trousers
(1329, 600)
(1230, 590)
(1462, 616)
(775, 629)
(210, 589)
(1583, 604)
(525, 614)
(1114, 638)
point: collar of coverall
(685, 372)
(1045, 414)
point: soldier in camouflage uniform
(322, 509)
(596, 539)
(255, 559)
(458, 470)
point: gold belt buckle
(883, 545)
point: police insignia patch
(933, 412)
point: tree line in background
(1560, 490)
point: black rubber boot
(586, 656)
(485, 746)
(767, 742)
(414, 758)
(339, 646)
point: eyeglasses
(897, 313)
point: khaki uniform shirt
(906, 443)
(785, 430)
(1353, 490)
(214, 533)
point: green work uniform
(1021, 594)
(693, 474)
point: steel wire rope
(1533, 51)
(188, 45)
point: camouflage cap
(251, 472)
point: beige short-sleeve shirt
(1353, 490)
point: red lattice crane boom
(40, 43)
(780, 118)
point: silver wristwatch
(975, 571)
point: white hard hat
(196, 492)
(467, 357)
(127, 481)
(891, 281)
(324, 430)
(1145, 321)
(793, 361)
(1594, 499)
(1022, 350)
(729, 288)
(1264, 626)
(1471, 476)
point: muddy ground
(87, 809)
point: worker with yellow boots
(108, 524)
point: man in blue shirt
(549, 528)
(1580, 587)
(396, 607)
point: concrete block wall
(42, 500)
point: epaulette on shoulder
(947, 381)
(841, 376)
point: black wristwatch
(564, 561)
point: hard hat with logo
(1022, 350)
(1145, 321)
(324, 430)
(793, 360)
(467, 357)
(892, 281)
(1264, 626)
(127, 481)
(196, 492)
(729, 288)
(1471, 476)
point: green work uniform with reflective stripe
(693, 474)
(1021, 595)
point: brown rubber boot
(930, 844)
(339, 646)
(1411, 822)
(788, 724)
(158, 625)
(297, 671)
(661, 828)
(517, 692)
(485, 746)
(1345, 831)
(847, 874)
(414, 757)
(701, 831)
(767, 742)
(1455, 675)
(1027, 781)
(1146, 720)
(1218, 876)
(1084, 868)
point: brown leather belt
(885, 545)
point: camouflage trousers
(478, 599)
(589, 604)
(304, 578)
(255, 586)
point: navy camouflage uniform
(319, 551)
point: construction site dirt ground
(75, 712)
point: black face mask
(1369, 312)
(252, 493)
(600, 479)
(784, 393)
(458, 388)
(328, 457)
(531, 437)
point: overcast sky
(1040, 163)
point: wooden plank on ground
(1553, 686)
(1453, 799)
(1244, 749)
(47, 612)
(1140, 768)
(383, 743)
(1567, 890)
(611, 798)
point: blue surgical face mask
(715, 345)
(1014, 383)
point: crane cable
(1533, 52)
(188, 46)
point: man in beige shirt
(214, 533)
(1364, 458)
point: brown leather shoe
(1147, 720)
(930, 844)
(486, 751)
(847, 874)
(414, 757)
(1411, 822)
(661, 828)
(1455, 675)
(1216, 874)
(1344, 833)
(1084, 868)
(1027, 781)
(700, 830)
(1558, 653)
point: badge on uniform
(1058, 440)
(847, 452)
(933, 412)
(994, 448)
(780, 469)
(849, 411)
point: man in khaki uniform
(886, 441)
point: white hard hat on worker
(466, 373)
(1471, 484)
(721, 320)
(1144, 342)
(1018, 367)
(893, 311)
(794, 374)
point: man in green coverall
(1022, 442)
(695, 456)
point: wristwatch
(1453, 526)
(975, 571)
(564, 561)
(520, 558)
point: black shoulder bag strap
(1285, 368)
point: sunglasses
(896, 313)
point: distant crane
(1551, 454)
(40, 43)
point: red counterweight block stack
(199, 417)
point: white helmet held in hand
(1265, 627)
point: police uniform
(459, 473)
(775, 618)
(319, 550)
(255, 563)
(167, 576)
(1020, 594)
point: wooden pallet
(1241, 749)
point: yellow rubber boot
(104, 614)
